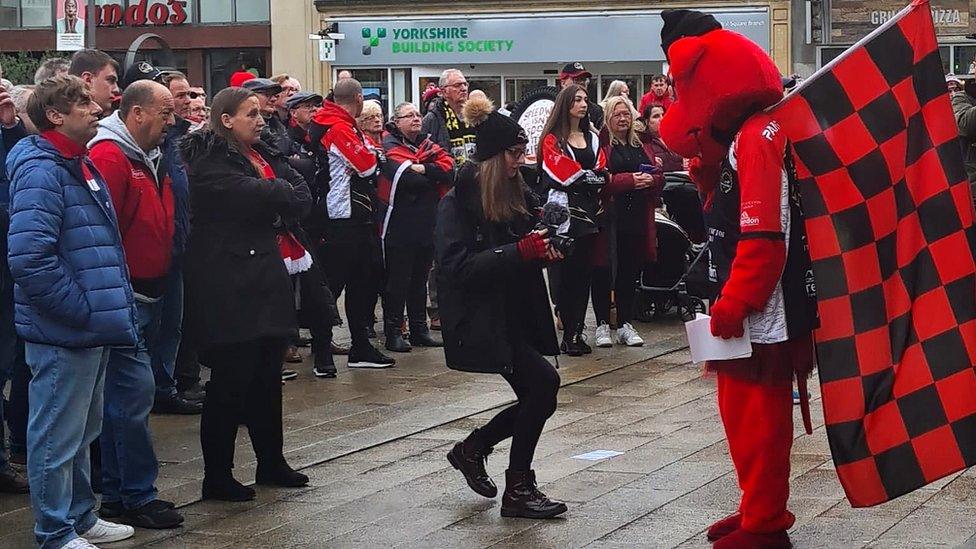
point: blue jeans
(65, 417)
(129, 465)
(166, 334)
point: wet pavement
(373, 443)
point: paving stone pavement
(373, 443)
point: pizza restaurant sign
(141, 13)
(851, 20)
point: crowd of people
(151, 233)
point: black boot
(470, 457)
(523, 499)
(394, 337)
(420, 336)
(573, 344)
(280, 474)
(225, 488)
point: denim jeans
(65, 417)
(166, 334)
(129, 465)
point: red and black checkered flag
(889, 221)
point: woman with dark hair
(494, 309)
(628, 241)
(651, 137)
(241, 190)
(572, 167)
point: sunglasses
(516, 152)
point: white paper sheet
(597, 455)
(705, 346)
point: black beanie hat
(493, 132)
(681, 23)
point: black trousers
(354, 263)
(244, 387)
(407, 268)
(536, 384)
(630, 259)
(573, 276)
(317, 312)
(186, 372)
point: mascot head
(721, 78)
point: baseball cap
(953, 78)
(142, 70)
(302, 97)
(263, 85)
(574, 70)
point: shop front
(210, 38)
(505, 56)
(850, 20)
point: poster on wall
(70, 24)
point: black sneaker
(287, 374)
(368, 357)
(175, 404)
(573, 346)
(328, 372)
(194, 393)
(156, 515)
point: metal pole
(90, 24)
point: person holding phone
(627, 240)
(494, 308)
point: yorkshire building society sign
(525, 39)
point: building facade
(210, 39)
(508, 48)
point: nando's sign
(141, 13)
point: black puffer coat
(234, 271)
(489, 298)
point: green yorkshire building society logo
(414, 40)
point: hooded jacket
(71, 283)
(142, 193)
(411, 197)
(233, 265)
(352, 163)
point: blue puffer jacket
(71, 286)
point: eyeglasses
(457, 85)
(411, 115)
(516, 152)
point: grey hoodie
(112, 128)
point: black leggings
(630, 258)
(354, 263)
(244, 387)
(535, 383)
(573, 276)
(317, 312)
(406, 284)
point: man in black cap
(267, 91)
(576, 73)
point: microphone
(554, 214)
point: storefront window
(25, 13)
(230, 11)
(491, 85)
(962, 58)
(216, 11)
(516, 88)
(253, 10)
(220, 64)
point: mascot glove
(727, 316)
(704, 175)
(532, 247)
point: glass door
(516, 88)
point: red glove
(705, 176)
(532, 247)
(727, 316)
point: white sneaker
(107, 532)
(603, 336)
(79, 543)
(628, 336)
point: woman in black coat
(243, 311)
(494, 308)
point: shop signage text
(425, 40)
(140, 14)
(853, 19)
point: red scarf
(296, 257)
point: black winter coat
(234, 271)
(488, 296)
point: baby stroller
(679, 278)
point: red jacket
(146, 215)
(650, 99)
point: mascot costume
(741, 164)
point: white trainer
(628, 336)
(108, 532)
(603, 336)
(79, 543)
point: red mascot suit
(740, 161)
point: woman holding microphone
(494, 308)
